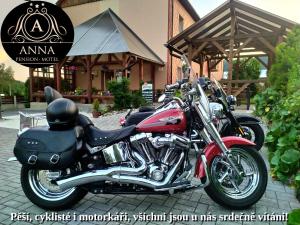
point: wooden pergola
(234, 30)
(103, 41)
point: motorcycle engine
(160, 152)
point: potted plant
(96, 106)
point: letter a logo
(37, 26)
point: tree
(8, 85)
(249, 70)
(284, 75)
(6, 77)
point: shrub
(96, 105)
(280, 105)
(138, 100)
(265, 103)
(285, 74)
(120, 91)
(294, 217)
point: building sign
(147, 92)
(37, 34)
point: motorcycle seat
(97, 137)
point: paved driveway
(278, 199)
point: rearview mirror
(161, 98)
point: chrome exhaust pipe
(102, 175)
(116, 174)
(150, 183)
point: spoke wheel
(232, 185)
(45, 188)
(235, 191)
(40, 189)
(249, 133)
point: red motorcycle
(63, 162)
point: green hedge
(280, 106)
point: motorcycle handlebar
(173, 86)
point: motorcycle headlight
(231, 100)
(216, 109)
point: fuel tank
(165, 121)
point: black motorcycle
(228, 124)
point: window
(181, 24)
(46, 72)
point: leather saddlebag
(42, 148)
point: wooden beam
(262, 62)
(215, 43)
(241, 89)
(96, 60)
(248, 40)
(244, 62)
(236, 37)
(266, 43)
(215, 64)
(252, 26)
(116, 57)
(199, 49)
(216, 23)
(62, 62)
(82, 61)
(256, 21)
(108, 63)
(200, 23)
(260, 80)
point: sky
(288, 9)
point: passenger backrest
(51, 94)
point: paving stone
(278, 198)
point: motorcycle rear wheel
(230, 191)
(43, 193)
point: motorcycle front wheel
(233, 191)
(41, 191)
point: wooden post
(208, 68)
(153, 79)
(89, 75)
(237, 67)
(231, 45)
(58, 77)
(190, 53)
(201, 66)
(31, 83)
(124, 62)
(141, 72)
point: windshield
(203, 100)
(219, 91)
